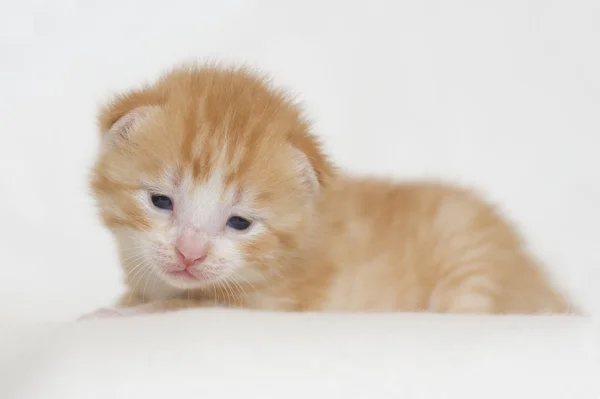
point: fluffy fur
(221, 142)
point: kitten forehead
(206, 204)
(209, 192)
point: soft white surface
(233, 354)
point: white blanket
(233, 354)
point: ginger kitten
(218, 194)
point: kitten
(218, 194)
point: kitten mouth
(183, 274)
(191, 274)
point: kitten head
(207, 175)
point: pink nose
(190, 259)
(190, 248)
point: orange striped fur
(221, 141)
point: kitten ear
(307, 172)
(119, 118)
(312, 155)
(122, 129)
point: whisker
(214, 290)
(150, 274)
(245, 280)
(233, 294)
(132, 258)
(134, 290)
(133, 247)
(240, 288)
(137, 267)
(154, 282)
(228, 298)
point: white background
(503, 95)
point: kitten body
(185, 159)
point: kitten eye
(162, 202)
(238, 223)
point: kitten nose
(191, 258)
(191, 248)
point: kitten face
(206, 176)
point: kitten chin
(213, 174)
